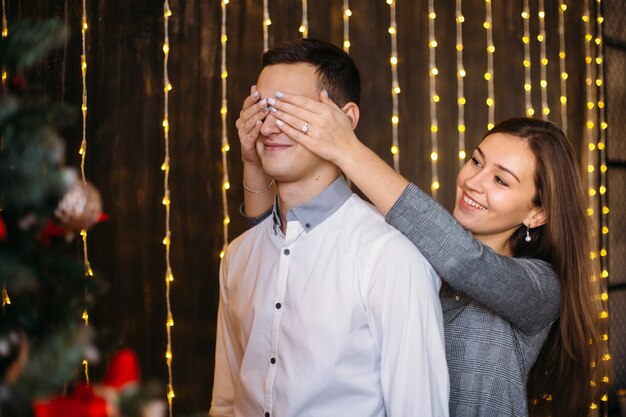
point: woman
(521, 326)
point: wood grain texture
(125, 141)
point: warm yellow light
(166, 48)
(603, 252)
(487, 25)
(546, 110)
(459, 47)
(563, 99)
(227, 220)
(393, 60)
(525, 39)
(590, 211)
(489, 101)
(490, 126)
(435, 185)
(541, 14)
(436, 98)
(222, 254)
(301, 29)
(604, 315)
(433, 44)
(527, 87)
(165, 166)
(462, 155)
(602, 190)
(461, 128)
(165, 201)
(543, 83)
(592, 147)
(396, 90)
(598, 82)
(488, 76)
(434, 128)
(395, 119)
(605, 210)
(526, 63)
(592, 192)
(434, 156)
(603, 168)
(525, 15)
(562, 55)
(605, 230)
(224, 110)
(392, 30)
(225, 74)
(491, 49)
(267, 22)
(348, 12)
(604, 296)
(530, 111)
(590, 124)
(461, 101)
(166, 240)
(227, 185)
(563, 6)
(432, 15)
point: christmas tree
(43, 204)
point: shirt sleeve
(525, 292)
(253, 221)
(228, 356)
(406, 320)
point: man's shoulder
(249, 238)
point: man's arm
(228, 357)
(406, 317)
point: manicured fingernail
(272, 109)
(271, 101)
(279, 94)
(264, 110)
(263, 102)
(257, 124)
(280, 123)
(255, 94)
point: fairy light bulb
(395, 85)
(488, 25)
(304, 26)
(460, 80)
(543, 61)
(266, 24)
(434, 98)
(347, 13)
(527, 61)
(165, 167)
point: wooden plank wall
(125, 142)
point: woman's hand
(327, 131)
(251, 117)
(320, 126)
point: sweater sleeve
(523, 291)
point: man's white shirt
(338, 316)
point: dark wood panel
(125, 81)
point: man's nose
(269, 127)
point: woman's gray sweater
(497, 309)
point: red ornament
(3, 230)
(123, 370)
(82, 403)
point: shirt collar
(317, 210)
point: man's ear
(536, 217)
(352, 111)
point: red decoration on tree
(98, 400)
(3, 230)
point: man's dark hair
(336, 71)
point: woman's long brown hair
(567, 376)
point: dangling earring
(528, 238)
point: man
(325, 310)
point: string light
(5, 32)
(488, 25)
(545, 110)
(434, 98)
(83, 154)
(460, 76)
(562, 68)
(395, 85)
(304, 26)
(527, 63)
(346, 25)
(225, 144)
(266, 25)
(165, 167)
(602, 156)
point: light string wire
(304, 26)
(266, 25)
(491, 49)
(83, 154)
(434, 98)
(225, 144)
(528, 86)
(562, 66)
(346, 25)
(165, 167)
(6, 300)
(395, 85)
(602, 156)
(460, 78)
(543, 67)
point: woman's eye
(501, 181)
(475, 161)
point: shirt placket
(292, 233)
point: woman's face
(495, 189)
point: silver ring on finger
(305, 128)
